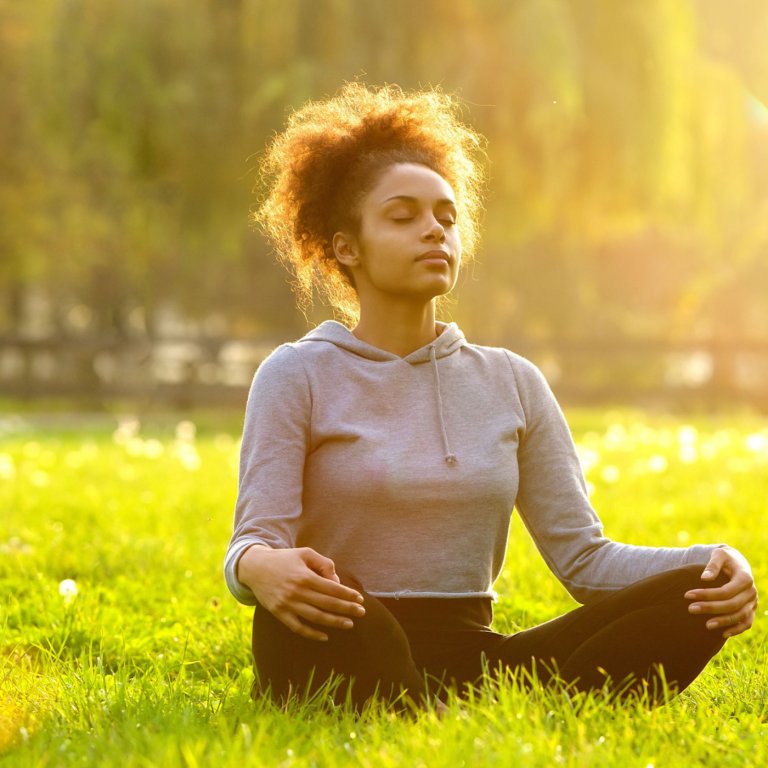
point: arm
(263, 565)
(554, 505)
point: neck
(400, 329)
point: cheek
(375, 242)
(381, 250)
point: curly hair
(331, 154)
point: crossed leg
(623, 641)
(635, 640)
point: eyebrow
(411, 199)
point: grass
(148, 663)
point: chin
(446, 288)
(436, 288)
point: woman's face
(408, 245)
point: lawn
(119, 644)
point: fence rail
(185, 371)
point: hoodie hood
(449, 340)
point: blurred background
(625, 246)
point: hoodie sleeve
(274, 446)
(553, 503)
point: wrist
(247, 558)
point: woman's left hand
(734, 604)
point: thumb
(713, 567)
(321, 565)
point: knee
(674, 583)
(690, 577)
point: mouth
(436, 256)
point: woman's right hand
(299, 586)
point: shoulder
(282, 359)
(526, 373)
(525, 381)
(282, 369)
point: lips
(435, 255)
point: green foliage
(119, 645)
(628, 149)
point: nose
(434, 232)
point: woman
(380, 465)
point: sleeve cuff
(239, 591)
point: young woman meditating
(381, 461)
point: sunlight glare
(7, 467)
(657, 463)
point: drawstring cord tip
(450, 458)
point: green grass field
(119, 644)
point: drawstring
(450, 457)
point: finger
(743, 614)
(320, 564)
(733, 624)
(721, 607)
(714, 566)
(716, 561)
(737, 629)
(739, 583)
(711, 595)
(308, 612)
(723, 600)
(332, 604)
(726, 620)
(325, 586)
(293, 623)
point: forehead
(412, 181)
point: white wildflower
(68, 590)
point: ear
(345, 250)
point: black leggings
(422, 645)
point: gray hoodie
(405, 470)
